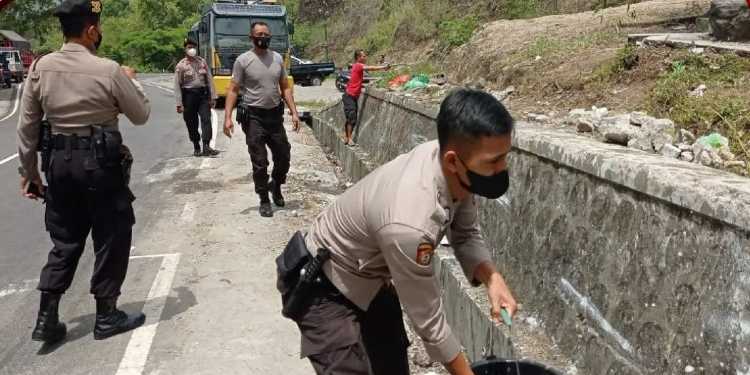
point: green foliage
(720, 109)
(456, 32)
(516, 9)
(626, 59)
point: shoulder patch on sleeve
(424, 253)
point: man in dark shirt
(354, 89)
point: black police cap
(79, 8)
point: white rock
(685, 147)
(660, 140)
(735, 163)
(638, 118)
(699, 91)
(689, 369)
(641, 143)
(686, 136)
(687, 156)
(697, 50)
(670, 151)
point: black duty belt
(76, 143)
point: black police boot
(48, 326)
(278, 199)
(265, 206)
(110, 321)
(208, 151)
(197, 149)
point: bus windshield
(233, 32)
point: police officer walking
(80, 95)
(261, 75)
(381, 235)
(196, 95)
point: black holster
(298, 273)
(109, 151)
(265, 116)
(44, 145)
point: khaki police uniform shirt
(75, 89)
(193, 74)
(259, 77)
(386, 227)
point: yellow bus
(223, 33)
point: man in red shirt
(354, 89)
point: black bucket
(507, 367)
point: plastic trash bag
(714, 140)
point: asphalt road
(24, 245)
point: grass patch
(721, 109)
(456, 32)
(626, 59)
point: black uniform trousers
(265, 127)
(196, 103)
(83, 199)
(339, 338)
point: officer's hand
(500, 297)
(295, 122)
(25, 188)
(130, 72)
(179, 109)
(228, 127)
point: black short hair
(73, 26)
(189, 42)
(358, 53)
(469, 114)
(258, 23)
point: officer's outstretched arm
(131, 99)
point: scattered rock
(686, 136)
(670, 151)
(727, 155)
(615, 130)
(687, 156)
(699, 91)
(639, 118)
(641, 143)
(660, 140)
(685, 147)
(730, 20)
(504, 94)
(697, 50)
(655, 126)
(735, 163)
(538, 117)
(584, 126)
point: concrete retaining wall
(635, 263)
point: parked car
(308, 73)
(11, 60)
(345, 75)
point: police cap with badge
(79, 8)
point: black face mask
(491, 187)
(262, 42)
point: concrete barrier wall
(636, 264)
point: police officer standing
(261, 75)
(196, 95)
(81, 95)
(381, 235)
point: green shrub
(456, 32)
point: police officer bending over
(381, 235)
(196, 95)
(80, 96)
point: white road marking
(16, 288)
(136, 354)
(188, 212)
(150, 256)
(15, 106)
(9, 158)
